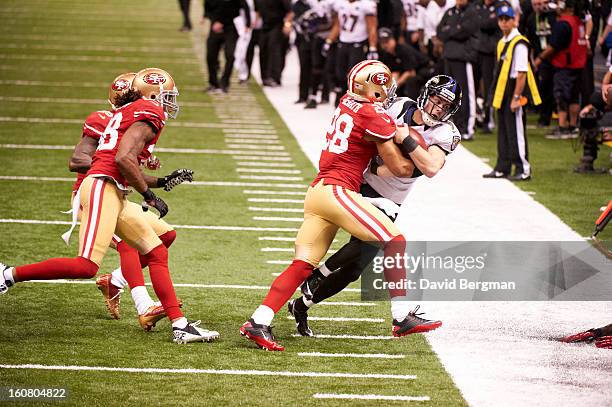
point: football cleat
(193, 333)
(4, 283)
(261, 335)
(605, 342)
(413, 324)
(153, 314)
(301, 319)
(311, 284)
(586, 336)
(112, 295)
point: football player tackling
(128, 139)
(431, 116)
(359, 130)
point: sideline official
(513, 78)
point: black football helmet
(444, 87)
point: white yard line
(276, 238)
(203, 227)
(291, 210)
(351, 355)
(78, 101)
(277, 219)
(263, 192)
(369, 397)
(231, 140)
(267, 171)
(356, 337)
(277, 249)
(271, 178)
(241, 136)
(84, 58)
(279, 262)
(273, 157)
(241, 146)
(271, 200)
(343, 319)
(260, 164)
(210, 371)
(346, 304)
(253, 131)
(127, 49)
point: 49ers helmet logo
(121, 85)
(154, 78)
(381, 78)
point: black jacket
(457, 31)
(488, 33)
(539, 30)
(272, 12)
(223, 11)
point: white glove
(386, 205)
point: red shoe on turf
(112, 295)
(413, 324)
(604, 342)
(261, 335)
(586, 336)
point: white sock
(263, 315)
(142, 299)
(324, 270)
(399, 308)
(180, 323)
(306, 302)
(8, 275)
(117, 279)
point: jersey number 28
(339, 129)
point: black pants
(251, 49)
(272, 53)
(349, 262)
(347, 55)
(511, 138)
(184, 4)
(486, 67)
(311, 65)
(226, 39)
(545, 86)
(465, 118)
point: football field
(235, 227)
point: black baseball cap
(385, 34)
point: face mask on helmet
(167, 98)
(439, 100)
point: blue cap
(505, 11)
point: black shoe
(301, 318)
(213, 90)
(300, 100)
(413, 324)
(520, 177)
(261, 335)
(311, 284)
(225, 90)
(495, 174)
(311, 104)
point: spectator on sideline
(403, 61)
(432, 16)
(221, 14)
(184, 5)
(539, 31)
(513, 78)
(567, 52)
(244, 25)
(488, 35)
(414, 23)
(456, 31)
(276, 21)
(391, 15)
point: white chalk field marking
(239, 121)
(58, 47)
(279, 262)
(275, 274)
(79, 101)
(369, 397)
(273, 157)
(346, 304)
(267, 171)
(278, 219)
(293, 210)
(255, 147)
(194, 183)
(60, 38)
(260, 164)
(273, 200)
(211, 371)
(263, 192)
(271, 178)
(196, 227)
(276, 238)
(84, 58)
(277, 249)
(251, 141)
(351, 355)
(356, 337)
(252, 131)
(343, 319)
(240, 136)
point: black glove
(176, 178)
(374, 164)
(150, 199)
(372, 54)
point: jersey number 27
(339, 129)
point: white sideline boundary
(344, 396)
(351, 355)
(210, 371)
(486, 369)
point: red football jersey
(145, 110)
(347, 154)
(93, 127)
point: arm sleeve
(152, 114)
(443, 28)
(379, 124)
(521, 58)
(446, 137)
(94, 125)
(370, 8)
